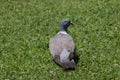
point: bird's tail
(69, 65)
(66, 63)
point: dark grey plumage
(62, 47)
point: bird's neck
(62, 28)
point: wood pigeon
(62, 47)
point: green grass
(27, 25)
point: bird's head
(65, 24)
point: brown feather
(60, 42)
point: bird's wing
(61, 42)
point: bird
(62, 46)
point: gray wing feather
(60, 42)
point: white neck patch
(62, 32)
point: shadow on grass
(77, 58)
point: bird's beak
(71, 23)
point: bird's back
(60, 42)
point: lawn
(27, 25)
